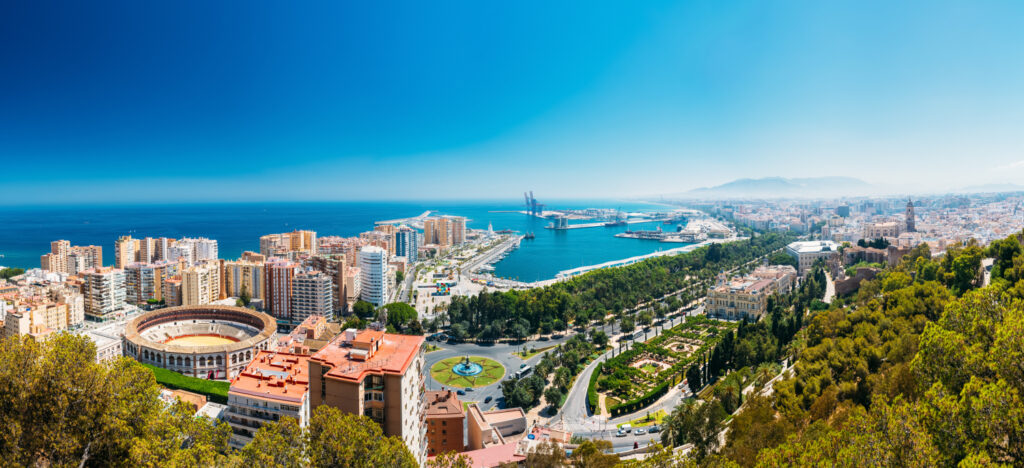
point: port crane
(532, 207)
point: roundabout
(467, 371)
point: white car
(641, 431)
(620, 433)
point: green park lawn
(444, 374)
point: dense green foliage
(921, 367)
(565, 361)
(8, 273)
(214, 390)
(879, 243)
(59, 408)
(400, 315)
(595, 294)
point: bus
(522, 372)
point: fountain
(467, 369)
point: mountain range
(781, 187)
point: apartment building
(445, 423)
(289, 244)
(145, 281)
(278, 289)
(378, 375)
(274, 385)
(243, 275)
(336, 267)
(373, 273)
(457, 226)
(104, 292)
(57, 259)
(125, 249)
(406, 243)
(312, 294)
(389, 236)
(200, 284)
(65, 258)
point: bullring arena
(206, 341)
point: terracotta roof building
(378, 375)
(445, 421)
(272, 386)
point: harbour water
(25, 232)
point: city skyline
(336, 102)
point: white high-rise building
(181, 252)
(373, 271)
(195, 249)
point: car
(488, 399)
(654, 428)
(641, 431)
(522, 365)
(626, 427)
(620, 433)
(460, 392)
(469, 389)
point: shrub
(215, 391)
(592, 398)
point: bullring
(205, 341)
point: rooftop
(282, 377)
(443, 403)
(813, 246)
(352, 355)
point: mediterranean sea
(26, 231)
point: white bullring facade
(205, 341)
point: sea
(26, 231)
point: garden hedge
(592, 398)
(214, 390)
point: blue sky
(221, 101)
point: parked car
(488, 399)
(654, 428)
(620, 433)
(626, 427)
(641, 431)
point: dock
(600, 224)
(414, 219)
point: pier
(600, 224)
(414, 219)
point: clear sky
(335, 100)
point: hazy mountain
(992, 188)
(781, 187)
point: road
(830, 289)
(501, 352)
(575, 416)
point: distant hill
(781, 187)
(992, 188)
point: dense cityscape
(391, 324)
(587, 234)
